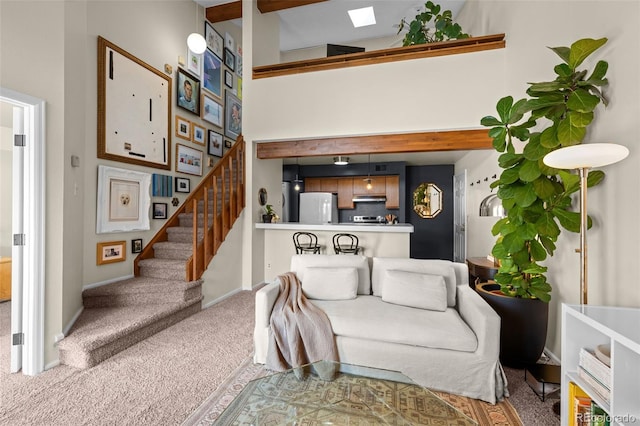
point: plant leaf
(490, 121)
(582, 48)
(510, 176)
(504, 108)
(571, 182)
(529, 171)
(538, 252)
(569, 135)
(569, 220)
(533, 150)
(594, 178)
(599, 71)
(513, 242)
(547, 226)
(544, 187)
(563, 52)
(508, 160)
(548, 138)
(524, 195)
(563, 70)
(579, 119)
(582, 101)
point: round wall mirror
(262, 196)
(427, 200)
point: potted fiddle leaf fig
(537, 199)
(421, 31)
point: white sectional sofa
(416, 316)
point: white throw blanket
(300, 332)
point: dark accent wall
(432, 238)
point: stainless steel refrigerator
(318, 207)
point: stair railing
(215, 203)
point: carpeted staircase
(121, 314)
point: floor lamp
(583, 158)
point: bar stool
(345, 244)
(306, 242)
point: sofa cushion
(368, 317)
(423, 266)
(337, 283)
(424, 291)
(300, 262)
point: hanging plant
(421, 31)
(537, 198)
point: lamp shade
(492, 206)
(586, 155)
(197, 44)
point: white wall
(614, 239)
(6, 179)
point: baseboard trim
(110, 281)
(221, 298)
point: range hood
(369, 199)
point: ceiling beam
(224, 12)
(266, 6)
(233, 10)
(455, 140)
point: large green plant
(419, 31)
(537, 198)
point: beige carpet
(209, 413)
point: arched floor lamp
(583, 158)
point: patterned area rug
(211, 410)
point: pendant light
(297, 180)
(196, 42)
(340, 160)
(368, 179)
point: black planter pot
(523, 329)
(266, 218)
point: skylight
(362, 17)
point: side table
(481, 270)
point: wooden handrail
(229, 199)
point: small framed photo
(212, 73)
(183, 185)
(229, 59)
(111, 252)
(229, 42)
(183, 128)
(211, 110)
(188, 92)
(194, 63)
(159, 210)
(215, 144)
(188, 160)
(232, 116)
(215, 42)
(228, 79)
(198, 134)
(136, 245)
(228, 143)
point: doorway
(27, 229)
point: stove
(368, 219)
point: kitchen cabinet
(378, 185)
(392, 190)
(329, 185)
(312, 185)
(345, 193)
(5, 278)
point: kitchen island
(376, 240)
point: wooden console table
(481, 270)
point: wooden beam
(454, 140)
(224, 12)
(266, 6)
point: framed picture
(161, 185)
(211, 110)
(159, 210)
(215, 42)
(123, 200)
(183, 184)
(239, 61)
(198, 134)
(188, 92)
(211, 73)
(111, 252)
(132, 129)
(183, 128)
(215, 144)
(229, 42)
(136, 245)
(229, 59)
(232, 116)
(228, 79)
(228, 143)
(188, 160)
(239, 88)
(194, 62)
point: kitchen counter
(339, 227)
(375, 239)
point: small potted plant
(269, 214)
(421, 30)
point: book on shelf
(575, 393)
(598, 417)
(596, 368)
(600, 389)
(583, 411)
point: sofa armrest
(482, 319)
(265, 299)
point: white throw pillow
(330, 283)
(424, 291)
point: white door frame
(32, 267)
(460, 217)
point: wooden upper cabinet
(393, 192)
(329, 185)
(312, 185)
(378, 186)
(345, 193)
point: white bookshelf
(588, 327)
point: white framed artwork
(123, 200)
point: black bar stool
(345, 244)
(306, 242)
